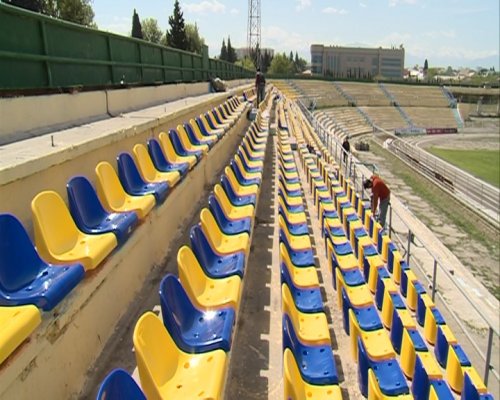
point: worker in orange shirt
(381, 192)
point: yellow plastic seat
(246, 174)
(293, 217)
(253, 149)
(241, 190)
(411, 292)
(228, 120)
(16, 325)
(396, 271)
(374, 392)
(199, 135)
(232, 212)
(301, 276)
(58, 240)
(113, 196)
(171, 155)
(292, 186)
(292, 201)
(203, 290)
(166, 372)
(220, 242)
(455, 373)
(311, 328)
(386, 240)
(297, 242)
(219, 130)
(149, 172)
(359, 296)
(377, 343)
(188, 145)
(297, 389)
(251, 163)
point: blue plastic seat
(133, 183)
(203, 128)
(316, 363)
(251, 156)
(160, 161)
(291, 208)
(228, 226)
(470, 392)
(367, 317)
(119, 385)
(390, 378)
(91, 217)
(295, 229)
(193, 139)
(179, 148)
(307, 300)
(233, 197)
(421, 384)
(241, 179)
(300, 258)
(441, 347)
(194, 330)
(24, 277)
(245, 164)
(215, 265)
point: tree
(291, 56)
(223, 51)
(151, 31)
(266, 61)
(281, 65)
(231, 52)
(32, 5)
(246, 63)
(176, 36)
(77, 11)
(136, 26)
(195, 41)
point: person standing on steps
(381, 192)
(260, 86)
(347, 148)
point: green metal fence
(39, 52)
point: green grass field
(484, 164)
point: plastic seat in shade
(16, 325)
(134, 184)
(457, 365)
(113, 196)
(194, 132)
(119, 385)
(166, 372)
(206, 130)
(307, 300)
(58, 239)
(215, 265)
(187, 143)
(204, 291)
(257, 165)
(232, 212)
(160, 161)
(24, 277)
(295, 228)
(251, 156)
(470, 392)
(389, 378)
(315, 363)
(299, 258)
(234, 197)
(239, 188)
(214, 126)
(293, 218)
(296, 242)
(228, 226)
(220, 242)
(180, 148)
(194, 330)
(171, 154)
(444, 338)
(91, 217)
(291, 201)
(244, 178)
(296, 388)
(249, 167)
(148, 171)
(311, 328)
(424, 387)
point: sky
(460, 33)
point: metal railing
(357, 172)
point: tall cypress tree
(136, 26)
(32, 5)
(231, 52)
(223, 51)
(176, 36)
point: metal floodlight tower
(253, 32)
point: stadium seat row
(416, 361)
(309, 366)
(199, 307)
(72, 241)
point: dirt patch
(475, 243)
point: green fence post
(110, 58)
(46, 53)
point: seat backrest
(206, 118)
(294, 385)
(55, 229)
(19, 261)
(201, 126)
(201, 246)
(157, 155)
(109, 187)
(222, 198)
(177, 143)
(156, 354)
(289, 306)
(191, 274)
(190, 133)
(128, 172)
(84, 204)
(210, 228)
(177, 309)
(168, 148)
(184, 137)
(420, 385)
(119, 385)
(143, 161)
(228, 188)
(231, 176)
(218, 213)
